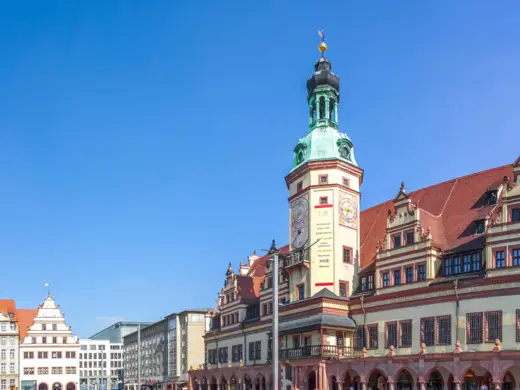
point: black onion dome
(322, 77)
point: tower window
(347, 255)
(324, 200)
(343, 289)
(322, 107)
(345, 181)
(299, 186)
(324, 179)
(332, 110)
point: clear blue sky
(143, 145)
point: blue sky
(143, 145)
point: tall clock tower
(324, 195)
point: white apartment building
(8, 345)
(49, 352)
(100, 365)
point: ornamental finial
(403, 188)
(322, 47)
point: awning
(315, 322)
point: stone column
(497, 385)
(363, 386)
(339, 385)
(457, 385)
(390, 384)
(422, 385)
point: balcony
(318, 351)
(296, 258)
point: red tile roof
(7, 306)
(25, 320)
(448, 209)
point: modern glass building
(115, 333)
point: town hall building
(421, 291)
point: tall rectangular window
(397, 241)
(386, 279)
(515, 215)
(373, 336)
(476, 262)
(252, 351)
(443, 330)
(406, 333)
(516, 256)
(301, 291)
(456, 265)
(359, 338)
(474, 328)
(466, 261)
(409, 275)
(448, 270)
(391, 334)
(409, 238)
(370, 282)
(258, 350)
(347, 255)
(517, 323)
(494, 326)
(500, 259)
(428, 331)
(343, 289)
(421, 272)
(397, 277)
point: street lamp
(273, 251)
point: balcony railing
(295, 258)
(318, 351)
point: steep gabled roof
(448, 209)
(25, 321)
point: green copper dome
(321, 144)
(324, 141)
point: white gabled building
(49, 352)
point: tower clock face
(299, 223)
(348, 211)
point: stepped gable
(249, 285)
(448, 209)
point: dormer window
(479, 227)
(492, 197)
(11, 315)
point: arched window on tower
(332, 110)
(322, 107)
(312, 111)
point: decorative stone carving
(229, 363)
(498, 346)
(241, 363)
(423, 350)
(364, 353)
(457, 349)
(391, 351)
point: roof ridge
(448, 197)
(438, 184)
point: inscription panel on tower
(324, 218)
(348, 210)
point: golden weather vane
(322, 47)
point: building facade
(154, 356)
(100, 365)
(9, 339)
(186, 332)
(49, 351)
(421, 291)
(115, 332)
